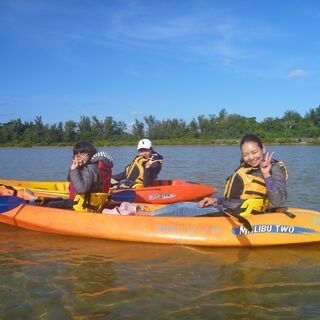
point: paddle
(240, 219)
(10, 202)
(119, 196)
(228, 212)
(123, 196)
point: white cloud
(136, 113)
(297, 73)
(6, 115)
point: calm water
(55, 277)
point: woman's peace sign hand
(265, 164)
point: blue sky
(61, 59)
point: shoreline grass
(176, 142)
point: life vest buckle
(253, 206)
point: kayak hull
(161, 192)
(268, 229)
(170, 191)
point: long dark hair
(84, 147)
(251, 138)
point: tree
(223, 126)
(97, 128)
(85, 129)
(152, 125)
(107, 127)
(138, 129)
(113, 128)
(194, 130)
(38, 130)
(13, 131)
(313, 116)
(119, 128)
(70, 133)
(222, 115)
(55, 133)
(272, 126)
(291, 119)
(204, 125)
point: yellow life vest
(90, 202)
(135, 170)
(253, 187)
(254, 191)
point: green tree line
(211, 129)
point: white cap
(144, 144)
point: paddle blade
(123, 196)
(8, 203)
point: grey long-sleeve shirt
(85, 179)
(88, 178)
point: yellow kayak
(161, 191)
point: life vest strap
(253, 206)
(239, 218)
(90, 202)
(283, 210)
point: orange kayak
(161, 191)
(169, 191)
(267, 229)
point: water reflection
(67, 277)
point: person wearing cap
(143, 169)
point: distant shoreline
(176, 142)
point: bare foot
(141, 212)
(28, 194)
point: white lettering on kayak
(270, 228)
(162, 196)
(316, 220)
(187, 230)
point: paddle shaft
(119, 196)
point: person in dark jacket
(142, 170)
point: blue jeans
(185, 209)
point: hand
(75, 164)
(151, 162)
(265, 165)
(207, 202)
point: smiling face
(146, 153)
(252, 154)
